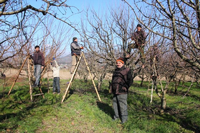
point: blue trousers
(37, 74)
(56, 84)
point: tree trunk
(198, 14)
(85, 77)
(141, 84)
(99, 85)
(176, 86)
(163, 101)
(102, 76)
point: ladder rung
(38, 94)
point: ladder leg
(29, 78)
(72, 78)
(48, 80)
(17, 75)
(91, 76)
(41, 92)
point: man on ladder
(38, 60)
(75, 53)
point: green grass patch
(81, 111)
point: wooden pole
(48, 80)
(91, 76)
(29, 78)
(4, 83)
(152, 91)
(17, 75)
(72, 78)
(153, 80)
(41, 92)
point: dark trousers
(141, 51)
(120, 107)
(56, 84)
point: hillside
(65, 59)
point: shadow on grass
(16, 107)
(139, 106)
(69, 94)
(106, 108)
(5, 93)
(182, 93)
(180, 117)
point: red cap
(120, 60)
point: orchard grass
(82, 112)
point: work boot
(122, 122)
(115, 118)
(39, 85)
(34, 86)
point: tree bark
(163, 101)
(198, 14)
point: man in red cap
(121, 81)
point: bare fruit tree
(178, 21)
(107, 38)
(21, 20)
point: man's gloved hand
(54, 58)
(81, 47)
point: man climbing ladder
(139, 42)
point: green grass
(81, 111)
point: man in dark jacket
(121, 81)
(139, 38)
(75, 53)
(38, 60)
